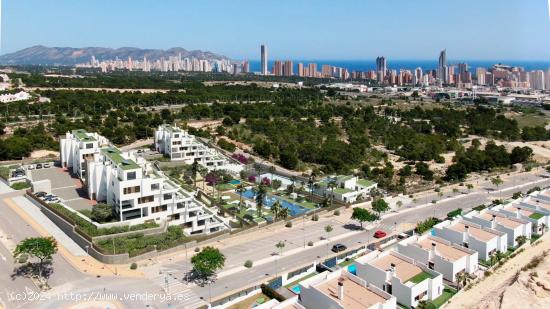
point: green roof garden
(365, 182)
(342, 190)
(420, 277)
(83, 135)
(536, 216)
(116, 156)
(344, 178)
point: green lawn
(420, 277)
(225, 187)
(447, 294)
(536, 216)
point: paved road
(254, 275)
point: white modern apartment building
(346, 189)
(342, 290)
(513, 227)
(485, 241)
(179, 145)
(137, 191)
(440, 255)
(539, 200)
(396, 274)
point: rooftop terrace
(355, 295)
(404, 270)
(83, 135)
(475, 231)
(501, 220)
(115, 155)
(442, 248)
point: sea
(368, 65)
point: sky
(292, 29)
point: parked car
(40, 194)
(379, 234)
(39, 166)
(30, 167)
(46, 165)
(50, 198)
(338, 248)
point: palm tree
(284, 212)
(194, 171)
(260, 196)
(293, 179)
(310, 183)
(496, 181)
(272, 171)
(462, 279)
(240, 190)
(331, 185)
(276, 209)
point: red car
(379, 234)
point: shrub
(197, 249)
(20, 186)
(479, 207)
(248, 264)
(426, 225)
(288, 224)
(337, 212)
(310, 243)
(133, 266)
(454, 213)
(315, 217)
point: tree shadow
(31, 270)
(199, 279)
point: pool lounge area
(269, 200)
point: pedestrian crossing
(177, 290)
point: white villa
(347, 189)
(440, 255)
(398, 275)
(513, 227)
(20, 96)
(136, 190)
(539, 219)
(179, 145)
(485, 241)
(342, 290)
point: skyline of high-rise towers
(442, 72)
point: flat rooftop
(404, 270)
(540, 203)
(443, 249)
(476, 232)
(355, 295)
(83, 135)
(115, 155)
(522, 210)
(501, 220)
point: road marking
(3, 257)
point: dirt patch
(37, 154)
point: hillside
(69, 56)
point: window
(431, 265)
(131, 175)
(159, 208)
(129, 190)
(176, 135)
(146, 199)
(155, 186)
(167, 196)
(89, 146)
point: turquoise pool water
(432, 232)
(235, 182)
(352, 269)
(295, 289)
(294, 209)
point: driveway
(67, 187)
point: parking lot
(67, 187)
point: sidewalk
(83, 263)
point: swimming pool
(235, 182)
(432, 232)
(269, 200)
(352, 269)
(296, 289)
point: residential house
(513, 227)
(485, 241)
(440, 255)
(345, 189)
(401, 276)
(539, 219)
(340, 289)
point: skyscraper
(381, 68)
(245, 67)
(301, 69)
(288, 68)
(264, 59)
(442, 67)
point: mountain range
(44, 55)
